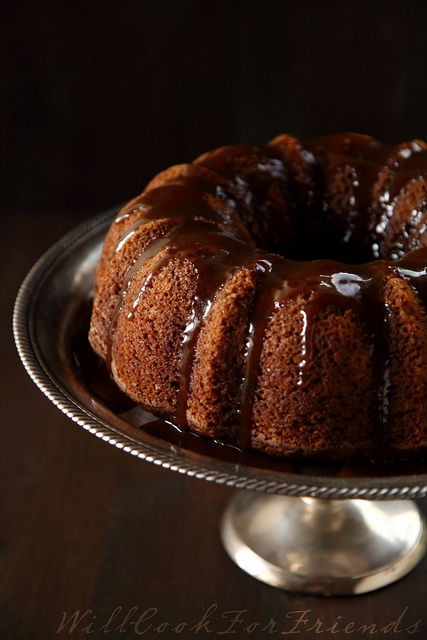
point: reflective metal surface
(50, 328)
(326, 547)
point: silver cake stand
(309, 527)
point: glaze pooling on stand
(294, 326)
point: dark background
(99, 95)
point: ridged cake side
(201, 321)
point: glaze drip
(271, 287)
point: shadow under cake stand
(319, 528)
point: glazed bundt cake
(273, 297)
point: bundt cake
(273, 297)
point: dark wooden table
(96, 543)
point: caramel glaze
(207, 203)
(378, 175)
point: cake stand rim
(156, 450)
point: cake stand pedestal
(328, 547)
(308, 528)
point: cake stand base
(325, 547)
